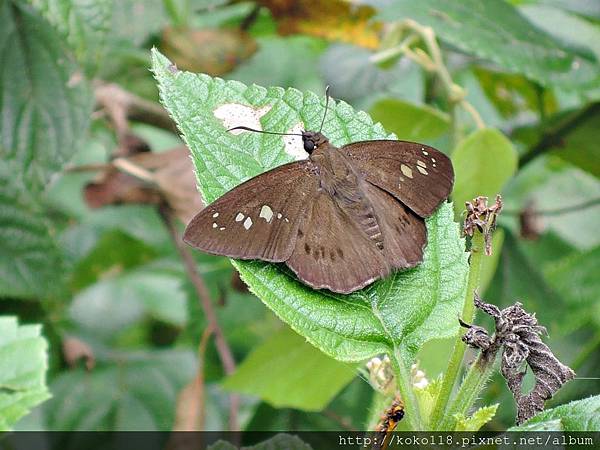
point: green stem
(468, 313)
(404, 385)
(471, 387)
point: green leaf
(85, 24)
(410, 122)
(23, 366)
(286, 371)
(30, 261)
(476, 420)
(502, 35)
(580, 415)
(44, 100)
(137, 391)
(395, 315)
(483, 163)
(148, 289)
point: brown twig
(122, 106)
(225, 354)
(554, 138)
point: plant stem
(473, 383)
(404, 385)
(454, 363)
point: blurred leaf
(334, 20)
(213, 51)
(146, 290)
(23, 366)
(483, 163)
(114, 253)
(522, 48)
(395, 315)
(586, 8)
(30, 260)
(286, 371)
(575, 277)
(513, 94)
(85, 24)
(138, 391)
(580, 415)
(478, 419)
(290, 61)
(579, 146)
(43, 91)
(565, 26)
(353, 77)
(408, 121)
(136, 20)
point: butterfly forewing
(419, 176)
(259, 219)
(333, 252)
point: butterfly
(340, 219)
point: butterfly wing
(404, 233)
(419, 176)
(258, 219)
(333, 252)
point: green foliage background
(112, 279)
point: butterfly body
(340, 220)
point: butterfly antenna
(326, 105)
(261, 131)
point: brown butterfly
(340, 220)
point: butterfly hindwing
(404, 233)
(333, 252)
(419, 176)
(258, 219)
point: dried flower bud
(519, 335)
(482, 217)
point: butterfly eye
(309, 146)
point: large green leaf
(85, 24)
(23, 365)
(580, 415)
(395, 315)
(44, 100)
(498, 32)
(137, 391)
(286, 371)
(483, 163)
(408, 121)
(30, 260)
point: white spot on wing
(407, 171)
(247, 223)
(239, 217)
(286, 219)
(221, 229)
(215, 225)
(236, 115)
(422, 170)
(266, 213)
(421, 163)
(279, 215)
(215, 215)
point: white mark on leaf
(236, 115)
(293, 144)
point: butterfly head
(312, 140)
